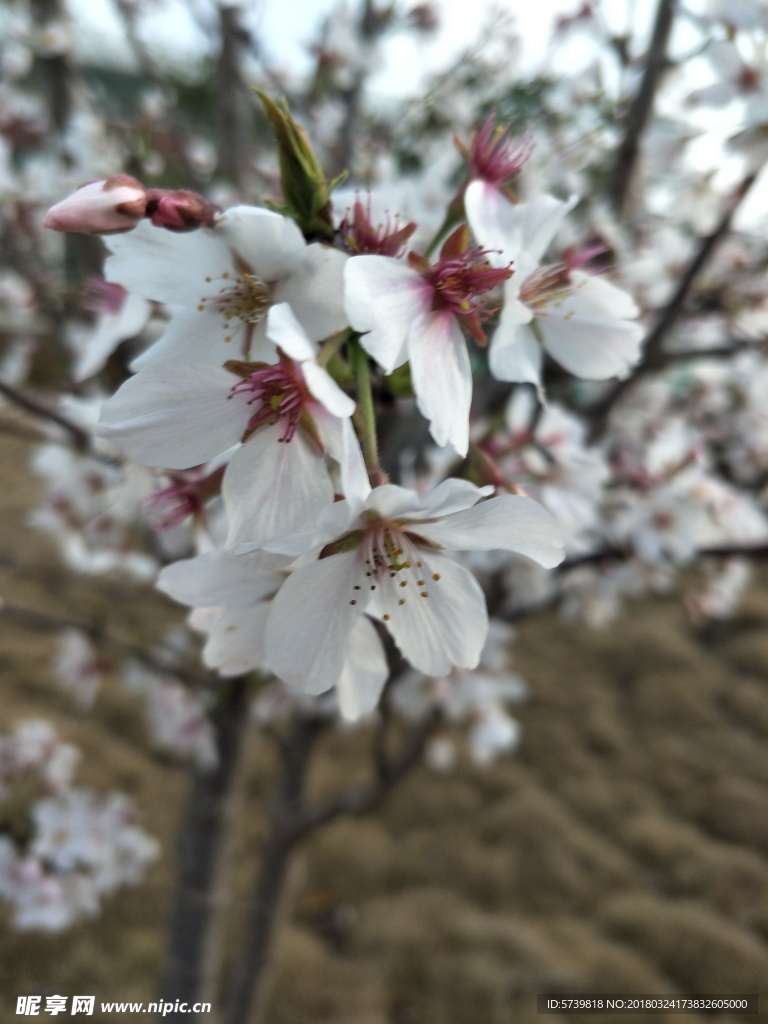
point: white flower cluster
(62, 847)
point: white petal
(442, 378)
(586, 331)
(285, 330)
(174, 416)
(235, 642)
(274, 489)
(515, 354)
(110, 330)
(218, 577)
(446, 628)
(166, 266)
(509, 523)
(340, 442)
(382, 297)
(310, 621)
(452, 495)
(364, 673)
(513, 228)
(315, 291)
(190, 336)
(271, 245)
(325, 389)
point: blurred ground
(623, 848)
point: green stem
(366, 416)
(453, 216)
(329, 348)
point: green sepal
(306, 191)
(348, 542)
(399, 381)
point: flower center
(277, 391)
(391, 560)
(545, 286)
(243, 298)
(460, 280)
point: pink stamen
(362, 238)
(494, 156)
(281, 394)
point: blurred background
(621, 845)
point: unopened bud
(100, 207)
(179, 210)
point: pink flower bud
(100, 207)
(179, 210)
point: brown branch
(361, 799)
(653, 353)
(230, 98)
(642, 106)
(247, 990)
(203, 846)
(81, 438)
(46, 622)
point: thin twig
(642, 105)
(81, 438)
(46, 622)
(365, 797)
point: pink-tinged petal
(382, 297)
(508, 523)
(218, 577)
(446, 628)
(364, 673)
(315, 290)
(274, 489)
(235, 642)
(151, 262)
(515, 354)
(271, 245)
(174, 416)
(310, 621)
(284, 329)
(442, 378)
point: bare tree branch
(81, 438)
(642, 106)
(203, 846)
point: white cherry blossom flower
(412, 310)
(234, 595)
(287, 413)
(226, 278)
(384, 556)
(580, 320)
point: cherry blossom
(416, 311)
(287, 412)
(582, 321)
(384, 556)
(226, 279)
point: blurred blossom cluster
(62, 847)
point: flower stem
(329, 348)
(365, 416)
